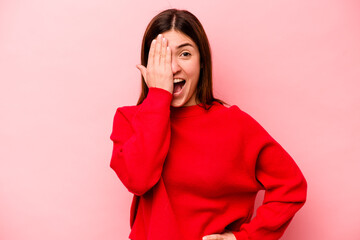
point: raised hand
(158, 72)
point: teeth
(176, 80)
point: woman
(193, 164)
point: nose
(175, 66)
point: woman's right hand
(158, 72)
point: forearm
(142, 142)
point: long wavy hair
(186, 23)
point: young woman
(193, 164)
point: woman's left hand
(224, 236)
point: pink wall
(65, 66)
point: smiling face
(185, 64)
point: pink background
(65, 66)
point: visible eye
(185, 54)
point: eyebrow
(184, 45)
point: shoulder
(122, 122)
(125, 112)
(240, 115)
(237, 112)
(246, 122)
(229, 111)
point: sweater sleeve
(141, 141)
(284, 184)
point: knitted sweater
(195, 172)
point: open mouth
(178, 86)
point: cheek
(192, 69)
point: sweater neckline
(188, 111)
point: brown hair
(185, 22)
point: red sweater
(196, 172)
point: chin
(177, 104)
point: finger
(163, 52)
(151, 53)
(142, 70)
(213, 237)
(157, 49)
(168, 58)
